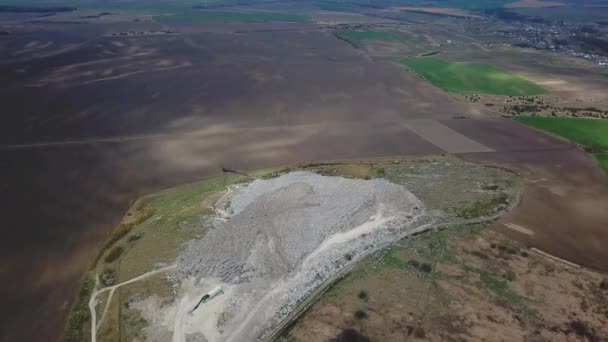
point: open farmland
(127, 105)
(602, 160)
(357, 36)
(472, 78)
(590, 133)
(233, 16)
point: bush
(362, 295)
(125, 227)
(420, 266)
(114, 254)
(419, 332)
(510, 275)
(80, 314)
(360, 314)
(108, 277)
(134, 238)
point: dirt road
(93, 299)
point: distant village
(588, 41)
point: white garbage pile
(285, 236)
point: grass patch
(591, 133)
(472, 78)
(233, 16)
(499, 287)
(357, 36)
(483, 208)
(390, 259)
(602, 160)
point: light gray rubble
(283, 237)
(275, 223)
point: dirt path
(93, 300)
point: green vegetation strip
(472, 78)
(233, 16)
(357, 36)
(591, 133)
(602, 160)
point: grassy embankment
(233, 16)
(150, 233)
(590, 133)
(467, 78)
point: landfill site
(243, 257)
(270, 245)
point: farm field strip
(467, 78)
(233, 16)
(590, 133)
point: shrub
(114, 254)
(108, 277)
(362, 295)
(134, 238)
(80, 314)
(360, 314)
(125, 227)
(419, 332)
(510, 275)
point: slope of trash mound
(279, 239)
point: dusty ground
(466, 283)
(533, 4)
(565, 189)
(439, 10)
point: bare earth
(439, 10)
(533, 4)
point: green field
(233, 16)
(591, 133)
(357, 36)
(472, 78)
(602, 160)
